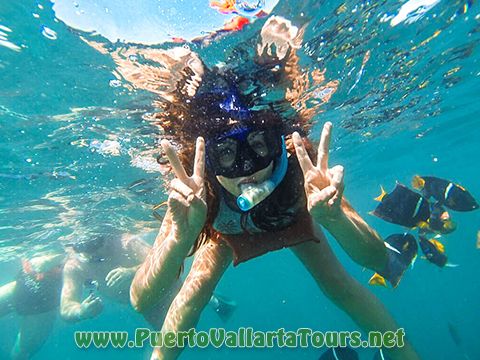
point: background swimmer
(34, 296)
(109, 261)
(104, 266)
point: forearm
(183, 315)
(357, 238)
(162, 265)
(210, 262)
(71, 311)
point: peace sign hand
(186, 200)
(323, 186)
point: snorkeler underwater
(200, 179)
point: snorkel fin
(252, 195)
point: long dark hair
(182, 122)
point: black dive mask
(243, 151)
(238, 143)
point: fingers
(182, 189)
(110, 275)
(337, 174)
(113, 276)
(177, 202)
(302, 155)
(113, 280)
(322, 197)
(177, 166)
(91, 299)
(199, 164)
(323, 147)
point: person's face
(242, 155)
(233, 185)
(100, 254)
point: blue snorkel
(254, 194)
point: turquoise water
(411, 109)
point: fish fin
(382, 195)
(423, 225)
(450, 265)
(413, 261)
(377, 280)
(223, 306)
(438, 245)
(418, 182)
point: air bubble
(48, 33)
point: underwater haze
(79, 152)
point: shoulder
(132, 242)
(74, 267)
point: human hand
(187, 199)
(277, 38)
(119, 276)
(323, 186)
(91, 307)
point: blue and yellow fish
(447, 193)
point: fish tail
(382, 195)
(450, 265)
(377, 280)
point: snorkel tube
(252, 195)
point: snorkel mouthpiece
(252, 195)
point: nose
(247, 165)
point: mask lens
(230, 155)
(258, 143)
(226, 152)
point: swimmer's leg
(34, 331)
(209, 264)
(157, 313)
(6, 298)
(347, 293)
